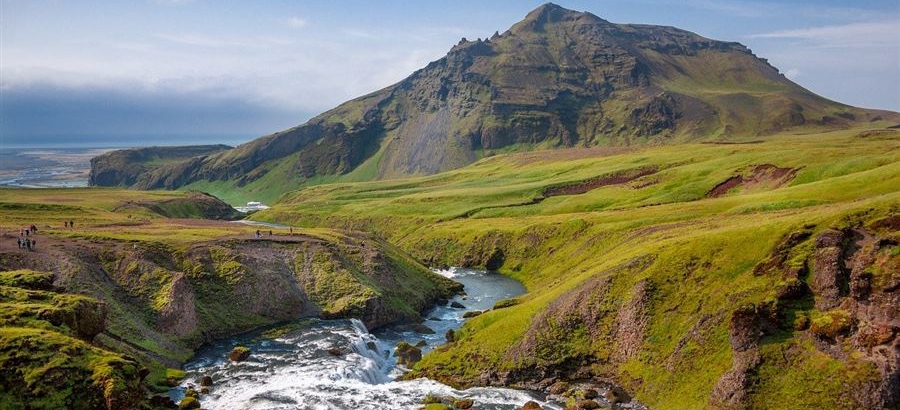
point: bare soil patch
(618, 178)
(765, 175)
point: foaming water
(338, 364)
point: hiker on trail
(71, 224)
(66, 223)
(270, 232)
(19, 242)
(258, 234)
(33, 244)
(34, 228)
(291, 230)
(28, 243)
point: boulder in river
(189, 402)
(239, 353)
(408, 354)
(463, 403)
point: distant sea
(65, 162)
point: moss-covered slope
(778, 291)
(46, 357)
(155, 289)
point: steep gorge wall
(715, 320)
(161, 301)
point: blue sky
(247, 68)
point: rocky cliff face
(160, 301)
(836, 300)
(125, 167)
(557, 79)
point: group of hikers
(259, 233)
(25, 241)
(26, 238)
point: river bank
(338, 364)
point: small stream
(291, 367)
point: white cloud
(792, 73)
(296, 22)
(864, 34)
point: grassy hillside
(761, 274)
(140, 286)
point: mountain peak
(550, 13)
(559, 78)
(553, 13)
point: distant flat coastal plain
(61, 163)
(46, 167)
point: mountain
(557, 79)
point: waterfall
(374, 367)
(338, 364)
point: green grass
(697, 254)
(703, 251)
(45, 364)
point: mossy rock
(239, 353)
(505, 303)
(831, 324)
(531, 405)
(189, 402)
(463, 403)
(588, 405)
(436, 406)
(27, 279)
(559, 387)
(408, 354)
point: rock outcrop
(854, 282)
(125, 167)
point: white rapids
(296, 370)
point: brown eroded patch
(757, 176)
(617, 178)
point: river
(291, 367)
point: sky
(235, 70)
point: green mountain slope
(761, 275)
(557, 79)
